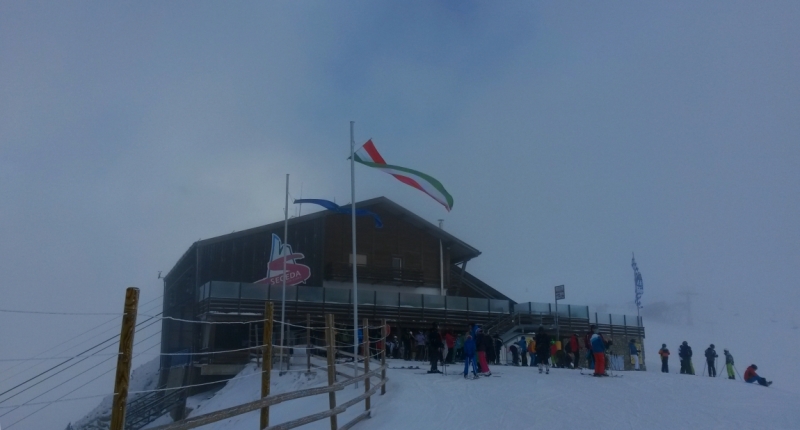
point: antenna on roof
(159, 275)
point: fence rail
(270, 400)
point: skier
(664, 353)
(587, 343)
(711, 357)
(489, 347)
(469, 356)
(420, 339)
(729, 364)
(543, 350)
(514, 348)
(685, 353)
(460, 347)
(450, 341)
(553, 350)
(532, 353)
(751, 376)
(575, 349)
(599, 351)
(480, 346)
(434, 347)
(498, 348)
(634, 354)
(523, 347)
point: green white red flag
(369, 156)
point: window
(361, 259)
(397, 263)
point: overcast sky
(569, 134)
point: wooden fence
(270, 400)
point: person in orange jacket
(751, 376)
(664, 353)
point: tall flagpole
(355, 260)
(284, 254)
(441, 261)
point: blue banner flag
(637, 280)
(331, 206)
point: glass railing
(578, 312)
(244, 291)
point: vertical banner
(638, 283)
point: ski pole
(737, 372)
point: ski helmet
(712, 346)
(663, 345)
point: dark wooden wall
(417, 247)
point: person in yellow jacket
(532, 351)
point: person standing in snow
(664, 353)
(434, 347)
(420, 338)
(514, 348)
(599, 351)
(450, 342)
(553, 351)
(587, 343)
(460, 347)
(685, 353)
(543, 350)
(634, 354)
(469, 356)
(575, 349)
(532, 353)
(711, 358)
(480, 347)
(751, 376)
(498, 348)
(523, 348)
(489, 340)
(729, 364)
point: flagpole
(283, 254)
(355, 259)
(441, 261)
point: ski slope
(519, 397)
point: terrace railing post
(330, 339)
(124, 359)
(384, 335)
(366, 362)
(266, 360)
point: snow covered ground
(519, 397)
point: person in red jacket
(751, 376)
(575, 349)
(450, 341)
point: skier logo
(295, 273)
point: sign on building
(560, 292)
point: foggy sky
(570, 135)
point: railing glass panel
(408, 300)
(387, 298)
(498, 306)
(225, 290)
(540, 308)
(255, 291)
(617, 319)
(576, 311)
(478, 305)
(433, 302)
(366, 297)
(456, 303)
(309, 294)
(337, 295)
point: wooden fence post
(385, 335)
(330, 339)
(308, 342)
(124, 359)
(266, 360)
(366, 362)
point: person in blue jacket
(634, 354)
(469, 356)
(523, 347)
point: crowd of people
(477, 349)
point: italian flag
(369, 156)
